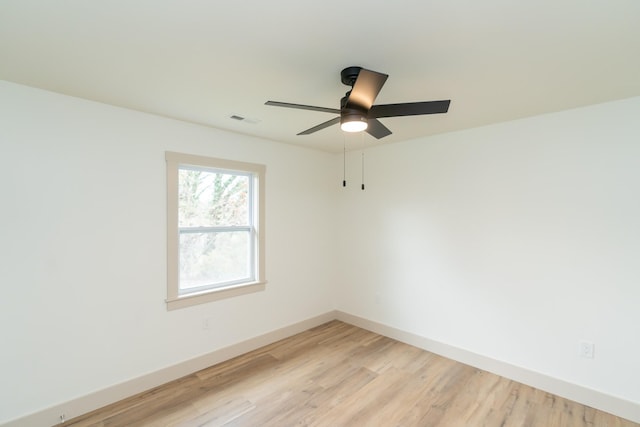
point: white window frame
(176, 299)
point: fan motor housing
(350, 114)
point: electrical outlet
(587, 349)
(206, 323)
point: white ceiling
(205, 60)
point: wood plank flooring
(340, 375)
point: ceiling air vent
(244, 119)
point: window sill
(214, 295)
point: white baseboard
(93, 401)
(88, 403)
(593, 398)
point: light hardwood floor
(340, 375)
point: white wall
(82, 248)
(514, 241)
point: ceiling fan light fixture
(353, 123)
(357, 110)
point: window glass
(212, 198)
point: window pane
(214, 258)
(209, 198)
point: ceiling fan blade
(409, 109)
(377, 129)
(320, 126)
(302, 107)
(366, 89)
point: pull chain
(362, 137)
(344, 160)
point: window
(215, 229)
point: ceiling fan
(357, 112)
